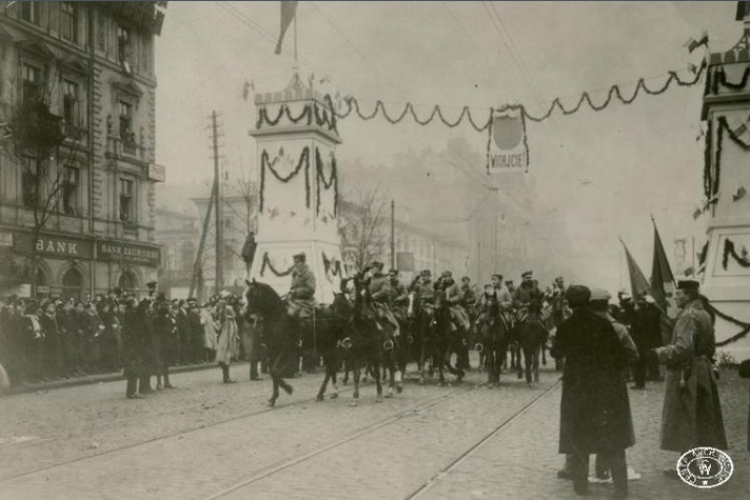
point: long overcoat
(228, 345)
(691, 415)
(595, 408)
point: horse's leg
(536, 365)
(378, 384)
(421, 360)
(356, 374)
(323, 386)
(528, 354)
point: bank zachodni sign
(125, 252)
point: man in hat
(595, 409)
(425, 289)
(527, 298)
(454, 296)
(398, 295)
(301, 297)
(692, 409)
(645, 326)
(379, 289)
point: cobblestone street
(209, 440)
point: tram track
(168, 436)
(477, 445)
(351, 437)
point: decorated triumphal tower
(726, 109)
(296, 136)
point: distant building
(94, 64)
(179, 235)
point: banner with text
(507, 150)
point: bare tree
(363, 232)
(44, 148)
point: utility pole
(197, 267)
(219, 278)
(393, 234)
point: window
(126, 122)
(228, 224)
(127, 202)
(30, 184)
(70, 106)
(69, 21)
(188, 255)
(30, 11)
(32, 82)
(123, 45)
(70, 191)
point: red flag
(638, 282)
(288, 11)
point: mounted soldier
(379, 289)
(454, 296)
(399, 296)
(425, 291)
(527, 299)
(300, 302)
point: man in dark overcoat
(692, 409)
(595, 410)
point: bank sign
(508, 151)
(125, 252)
(55, 245)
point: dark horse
(419, 319)
(494, 341)
(365, 344)
(282, 334)
(443, 341)
(532, 334)
(336, 318)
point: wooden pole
(204, 232)
(219, 278)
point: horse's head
(411, 310)
(262, 299)
(341, 306)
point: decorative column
(296, 136)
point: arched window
(128, 282)
(72, 284)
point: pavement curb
(95, 379)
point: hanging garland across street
(729, 250)
(267, 264)
(327, 264)
(332, 181)
(266, 164)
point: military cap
(600, 294)
(559, 279)
(426, 272)
(151, 284)
(577, 295)
(688, 284)
(447, 274)
(299, 257)
(498, 276)
(393, 271)
(527, 273)
(377, 264)
(465, 278)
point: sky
(600, 175)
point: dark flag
(288, 11)
(662, 285)
(638, 282)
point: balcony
(127, 149)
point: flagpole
(295, 41)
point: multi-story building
(92, 65)
(179, 234)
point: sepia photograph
(445, 250)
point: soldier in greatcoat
(692, 409)
(134, 345)
(301, 297)
(379, 290)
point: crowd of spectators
(54, 339)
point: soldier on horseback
(454, 296)
(527, 299)
(425, 291)
(398, 295)
(379, 290)
(300, 301)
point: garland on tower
(333, 266)
(729, 250)
(711, 180)
(266, 164)
(320, 179)
(267, 264)
(322, 119)
(721, 79)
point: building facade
(92, 66)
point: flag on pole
(662, 285)
(288, 11)
(638, 282)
